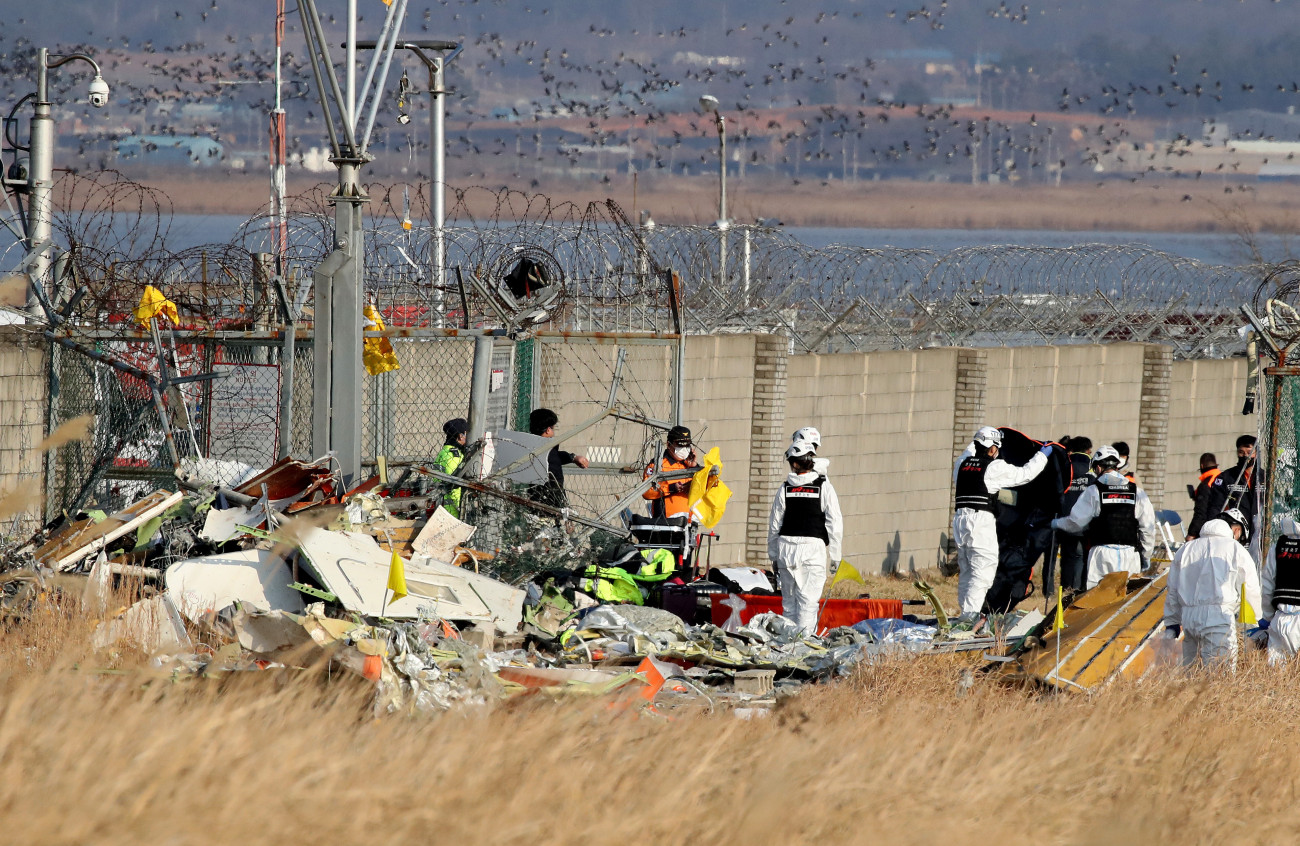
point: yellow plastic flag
(152, 304)
(1247, 617)
(847, 572)
(377, 353)
(1059, 623)
(700, 481)
(713, 505)
(397, 578)
(708, 497)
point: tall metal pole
(722, 167)
(438, 175)
(722, 199)
(40, 175)
(279, 224)
(350, 60)
(40, 179)
(444, 52)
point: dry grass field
(1169, 206)
(106, 750)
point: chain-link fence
(24, 369)
(1279, 449)
(230, 415)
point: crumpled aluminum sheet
(914, 637)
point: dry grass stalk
(898, 751)
(76, 429)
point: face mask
(681, 453)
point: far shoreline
(1168, 206)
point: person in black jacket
(551, 492)
(1201, 493)
(1074, 569)
(1233, 488)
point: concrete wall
(887, 423)
(1204, 416)
(892, 422)
(719, 395)
(24, 381)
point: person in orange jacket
(669, 499)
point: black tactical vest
(971, 492)
(804, 517)
(1286, 587)
(1079, 465)
(1117, 524)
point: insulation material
(255, 577)
(355, 569)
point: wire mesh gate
(235, 419)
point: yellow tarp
(709, 496)
(152, 304)
(377, 353)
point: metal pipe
(310, 31)
(287, 356)
(350, 67)
(480, 383)
(438, 175)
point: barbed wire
(601, 272)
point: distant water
(1208, 247)
(188, 230)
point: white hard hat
(987, 436)
(809, 434)
(1105, 453)
(799, 448)
(1234, 515)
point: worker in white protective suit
(978, 475)
(809, 435)
(804, 527)
(1206, 583)
(1116, 519)
(1280, 591)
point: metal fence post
(479, 385)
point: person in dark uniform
(1074, 562)
(1232, 488)
(551, 492)
(1116, 519)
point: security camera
(98, 92)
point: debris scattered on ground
(287, 570)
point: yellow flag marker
(396, 578)
(709, 495)
(376, 353)
(847, 572)
(1059, 623)
(1247, 616)
(152, 304)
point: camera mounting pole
(40, 170)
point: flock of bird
(808, 93)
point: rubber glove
(1046, 450)
(1263, 624)
(1173, 631)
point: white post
(351, 52)
(40, 180)
(438, 175)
